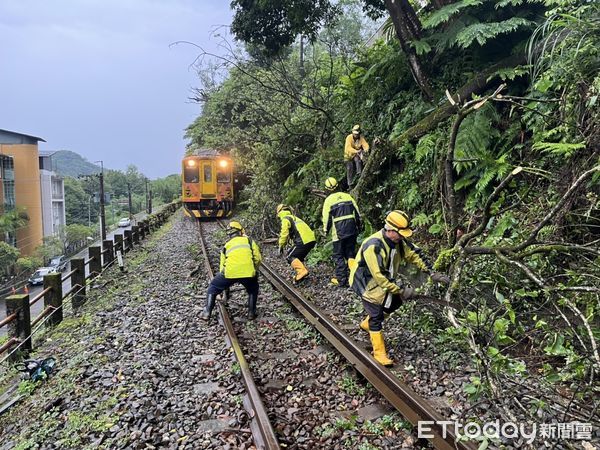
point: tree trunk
(406, 31)
(414, 24)
(477, 84)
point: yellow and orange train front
(207, 186)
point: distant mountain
(71, 164)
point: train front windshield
(190, 173)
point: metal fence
(21, 325)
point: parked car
(38, 275)
(124, 222)
(59, 263)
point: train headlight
(223, 163)
(191, 163)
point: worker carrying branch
(240, 259)
(373, 276)
(297, 231)
(341, 216)
(355, 150)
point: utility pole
(147, 202)
(129, 197)
(150, 200)
(102, 214)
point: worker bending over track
(240, 259)
(296, 230)
(341, 216)
(373, 276)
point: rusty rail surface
(403, 398)
(262, 430)
(39, 296)
(43, 314)
(8, 344)
(67, 276)
(8, 319)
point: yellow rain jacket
(240, 258)
(353, 146)
(377, 263)
(341, 215)
(295, 229)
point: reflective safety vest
(295, 229)
(340, 214)
(240, 258)
(377, 263)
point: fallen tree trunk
(476, 85)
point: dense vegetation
(488, 114)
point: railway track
(409, 404)
(262, 430)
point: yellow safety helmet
(331, 183)
(398, 221)
(282, 207)
(356, 129)
(234, 228)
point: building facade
(7, 193)
(23, 149)
(53, 197)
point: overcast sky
(97, 77)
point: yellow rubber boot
(364, 325)
(351, 263)
(379, 352)
(301, 270)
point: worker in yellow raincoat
(355, 149)
(301, 235)
(374, 276)
(240, 260)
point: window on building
(57, 190)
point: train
(207, 185)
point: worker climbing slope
(355, 149)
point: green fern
(425, 147)
(483, 32)
(562, 149)
(421, 219)
(443, 14)
(474, 139)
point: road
(38, 307)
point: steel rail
(414, 408)
(260, 425)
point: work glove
(407, 292)
(280, 251)
(439, 277)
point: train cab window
(207, 173)
(223, 176)
(190, 174)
